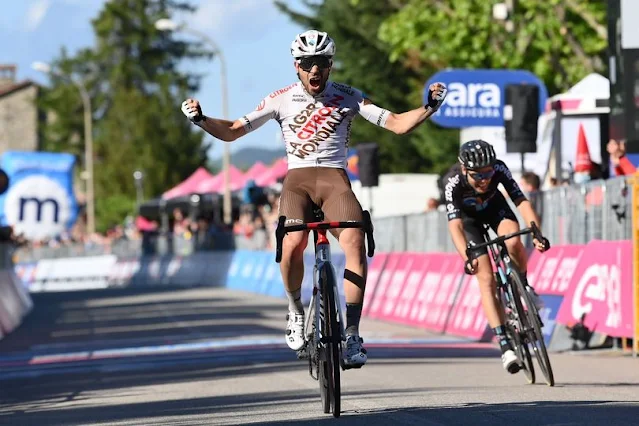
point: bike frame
(323, 260)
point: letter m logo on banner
(40, 202)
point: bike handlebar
(282, 229)
(533, 229)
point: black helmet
(477, 154)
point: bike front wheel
(332, 338)
(516, 329)
(533, 330)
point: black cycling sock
(353, 315)
(504, 342)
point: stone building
(19, 115)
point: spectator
(431, 204)
(621, 164)
(530, 182)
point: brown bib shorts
(328, 188)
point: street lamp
(137, 177)
(88, 140)
(169, 25)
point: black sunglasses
(481, 176)
(322, 62)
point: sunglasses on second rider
(322, 62)
(476, 176)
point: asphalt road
(215, 357)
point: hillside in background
(244, 158)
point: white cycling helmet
(312, 43)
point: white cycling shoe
(510, 361)
(295, 331)
(355, 353)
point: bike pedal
(351, 367)
(514, 368)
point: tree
(362, 61)
(135, 88)
(560, 41)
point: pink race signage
(601, 289)
(374, 272)
(378, 298)
(550, 272)
(467, 317)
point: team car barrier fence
(586, 286)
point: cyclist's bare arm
(456, 229)
(516, 195)
(408, 121)
(225, 130)
(397, 123)
(405, 122)
(528, 212)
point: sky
(252, 34)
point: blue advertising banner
(40, 202)
(477, 97)
(549, 314)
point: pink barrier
(550, 272)
(412, 293)
(601, 288)
(430, 290)
(467, 318)
(437, 312)
(373, 276)
(379, 297)
(396, 285)
(435, 294)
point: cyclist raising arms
(472, 200)
(315, 116)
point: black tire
(327, 280)
(517, 333)
(535, 336)
(324, 369)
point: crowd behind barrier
(570, 214)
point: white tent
(580, 106)
(589, 96)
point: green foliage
(135, 89)
(560, 41)
(113, 209)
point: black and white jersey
(462, 200)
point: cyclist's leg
(506, 223)
(295, 204)
(473, 229)
(491, 304)
(339, 203)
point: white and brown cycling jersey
(316, 129)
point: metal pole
(226, 156)
(88, 155)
